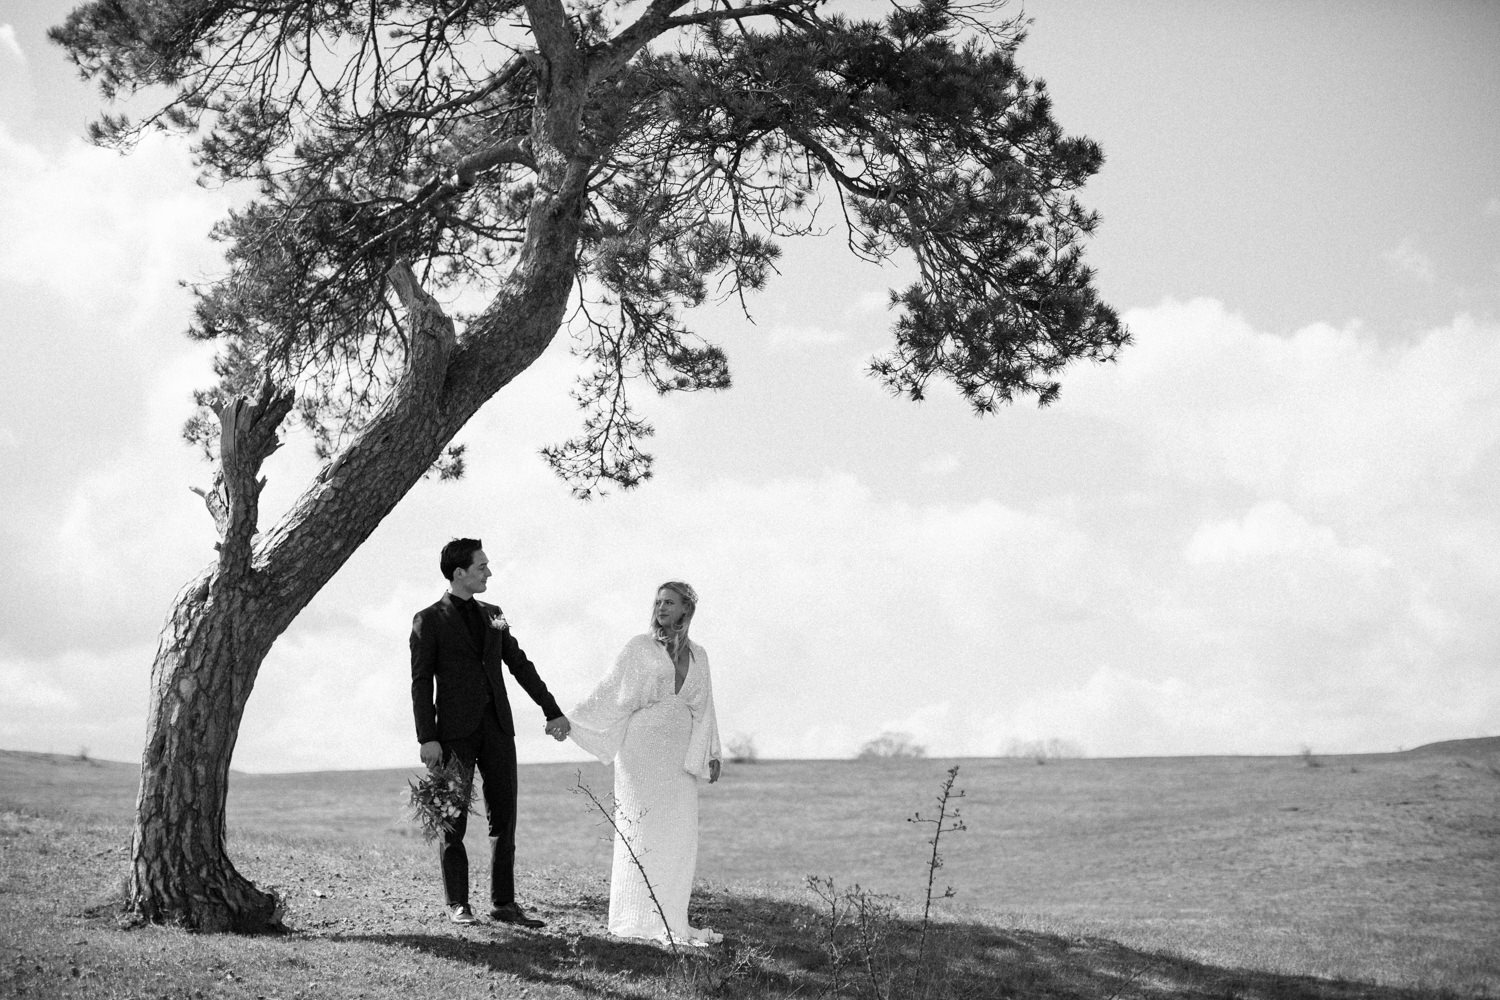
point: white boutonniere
(498, 622)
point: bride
(653, 717)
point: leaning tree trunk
(180, 872)
(209, 653)
(223, 625)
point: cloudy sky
(1272, 525)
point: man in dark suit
(458, 647)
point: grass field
(1362, 876)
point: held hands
(432, 753)
(558, 728)
(713, 771)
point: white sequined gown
(660, 742)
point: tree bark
(180, 872)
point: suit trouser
(494, 751)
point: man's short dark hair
(458, 554)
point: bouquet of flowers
(443, 795)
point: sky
(1270, 527)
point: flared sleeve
(703, 743)
(598, 722)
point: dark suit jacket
(444, 655)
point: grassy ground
(1372, 876)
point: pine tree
(588, 163)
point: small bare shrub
(580, 787)
(855, 923)
(718, 971)
(948, 821)
(1308, 759)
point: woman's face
(670, 608)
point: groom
(458, 645)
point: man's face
(474, 577)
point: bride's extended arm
(598, 722)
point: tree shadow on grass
(576, 951)
(984, 961)
(590, 966)
(776, 948)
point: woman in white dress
(653, 718)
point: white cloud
(99, 379)
(75, 699)
(341, 663)
(1270, 531)
(1273, 588)
(1492, 208)
(123, 225)
(10, 44)
(135, 510)
(936, 724)
(26, 690)
(941, 464)
(1328, 419)
(1278, 560)
(1165, 714)
(803, 336)
(1287, 582)
(1407, 259)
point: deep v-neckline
(678, 683)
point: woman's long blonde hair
(674, 638)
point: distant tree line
(892, 745)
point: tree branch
(249, 434)
(430, 343)
(516, 150)
(432, 335)
(782, 10)
(554, 36)
(498, 81)
(658, 20)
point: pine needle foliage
(373, 132)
